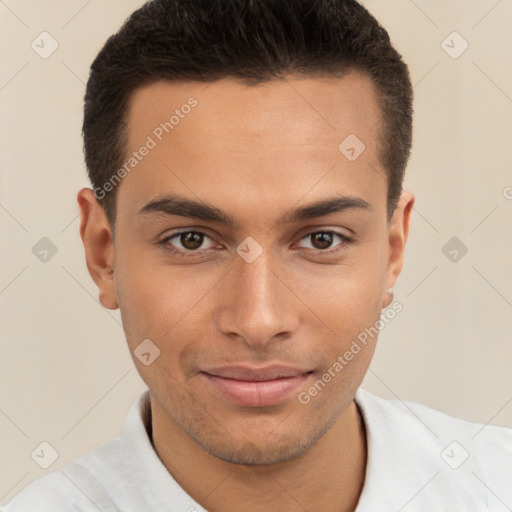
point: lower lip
(256, 394)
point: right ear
(96, 235)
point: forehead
(270, 141)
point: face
(250, 277)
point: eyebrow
(183, 207)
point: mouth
(256, 387)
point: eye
(190, 242)
(322, 241)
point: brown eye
(324, 241)
(321, 240)
(186, 243)
(191, 240)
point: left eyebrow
(183, 207)
(325, 207)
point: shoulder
(77, 486)
(470, 461)
(50, 492)
(398, 411)
(106, 479)
(408, 415)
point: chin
(250, 454)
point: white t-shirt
(419, 459)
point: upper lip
(251, 373)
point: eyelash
(346, 242)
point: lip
(256, 387)
(255, 374)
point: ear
(96, 235)
(398, 233)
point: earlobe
(388, 298)
(398, 234)
(96, 235)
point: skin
(254, 152)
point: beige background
(66, 375)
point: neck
(329, 476)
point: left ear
(398, 233)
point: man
(248, 219)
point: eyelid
(346, 241)
(177, 234)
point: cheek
(345, 304)
(346, 295)
(143, 283)
(143, 294)
(162, 303)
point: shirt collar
(400, 458)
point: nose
(259, 307)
